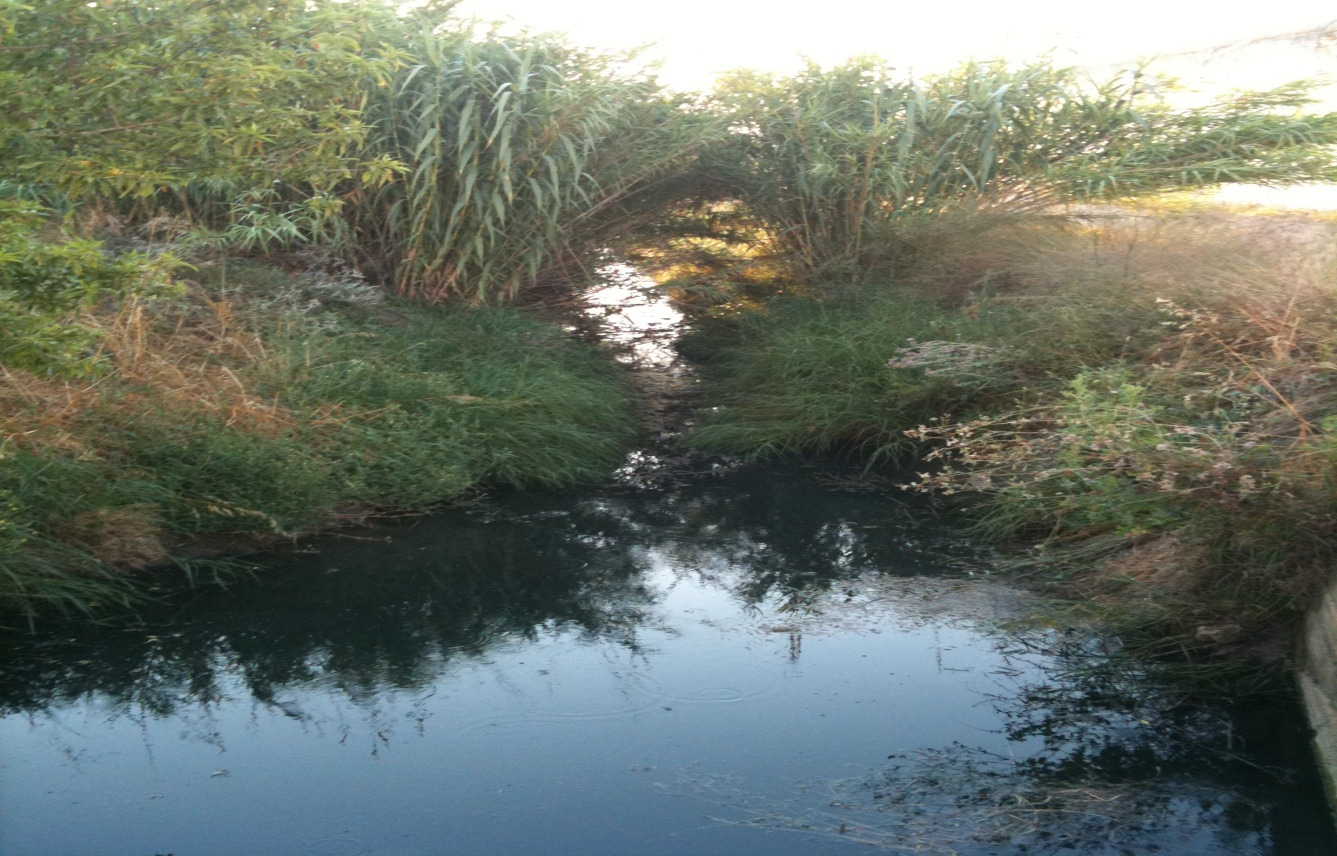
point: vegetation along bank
(269, 266)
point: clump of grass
(505, 398)
(69, 527)
(813, 376)
(265, 402)
(1193, 476)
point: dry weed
(129, 537)
(1163, 562)
(192, 359)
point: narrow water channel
(719, 659)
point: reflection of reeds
(1097, 755)
(951, 805)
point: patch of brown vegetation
(191, 358)
(129, 537)
(1163, 562)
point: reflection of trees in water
(1101, 760)
(1106, 761)
(358, 619)
(364, 616)
(775, 537)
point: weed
(273, 403)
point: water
(747, 661)
(698, 658)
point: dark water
(748, 662)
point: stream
(698, 657)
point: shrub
(45, 285)
(1199, 480)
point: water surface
(741, 661)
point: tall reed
(514, 146)
(836, 162)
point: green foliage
(515, 146)
(45, 285)
(837, 162)
(130, 99)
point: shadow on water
(390, 606)
(1105, 760)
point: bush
(1200, 480)
(45, 285)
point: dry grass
(129, 538)
(193, 357)
(1186, 479)
(1163, 562)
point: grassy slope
(270, 404)
(1148, 395)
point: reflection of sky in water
(695, 671)
(635, 314)
(559, 737)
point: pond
(726, 660)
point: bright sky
(696, 39)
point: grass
(265, 403)
(855, 365)
(1148, 396)
(812, 377)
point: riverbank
(270, 398)
(1144, 399)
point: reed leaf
(836, 161)
(514, 146)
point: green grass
(336, 413)
(488, 394)
(1150, 401)
(813, 375)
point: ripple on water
(336, 846)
